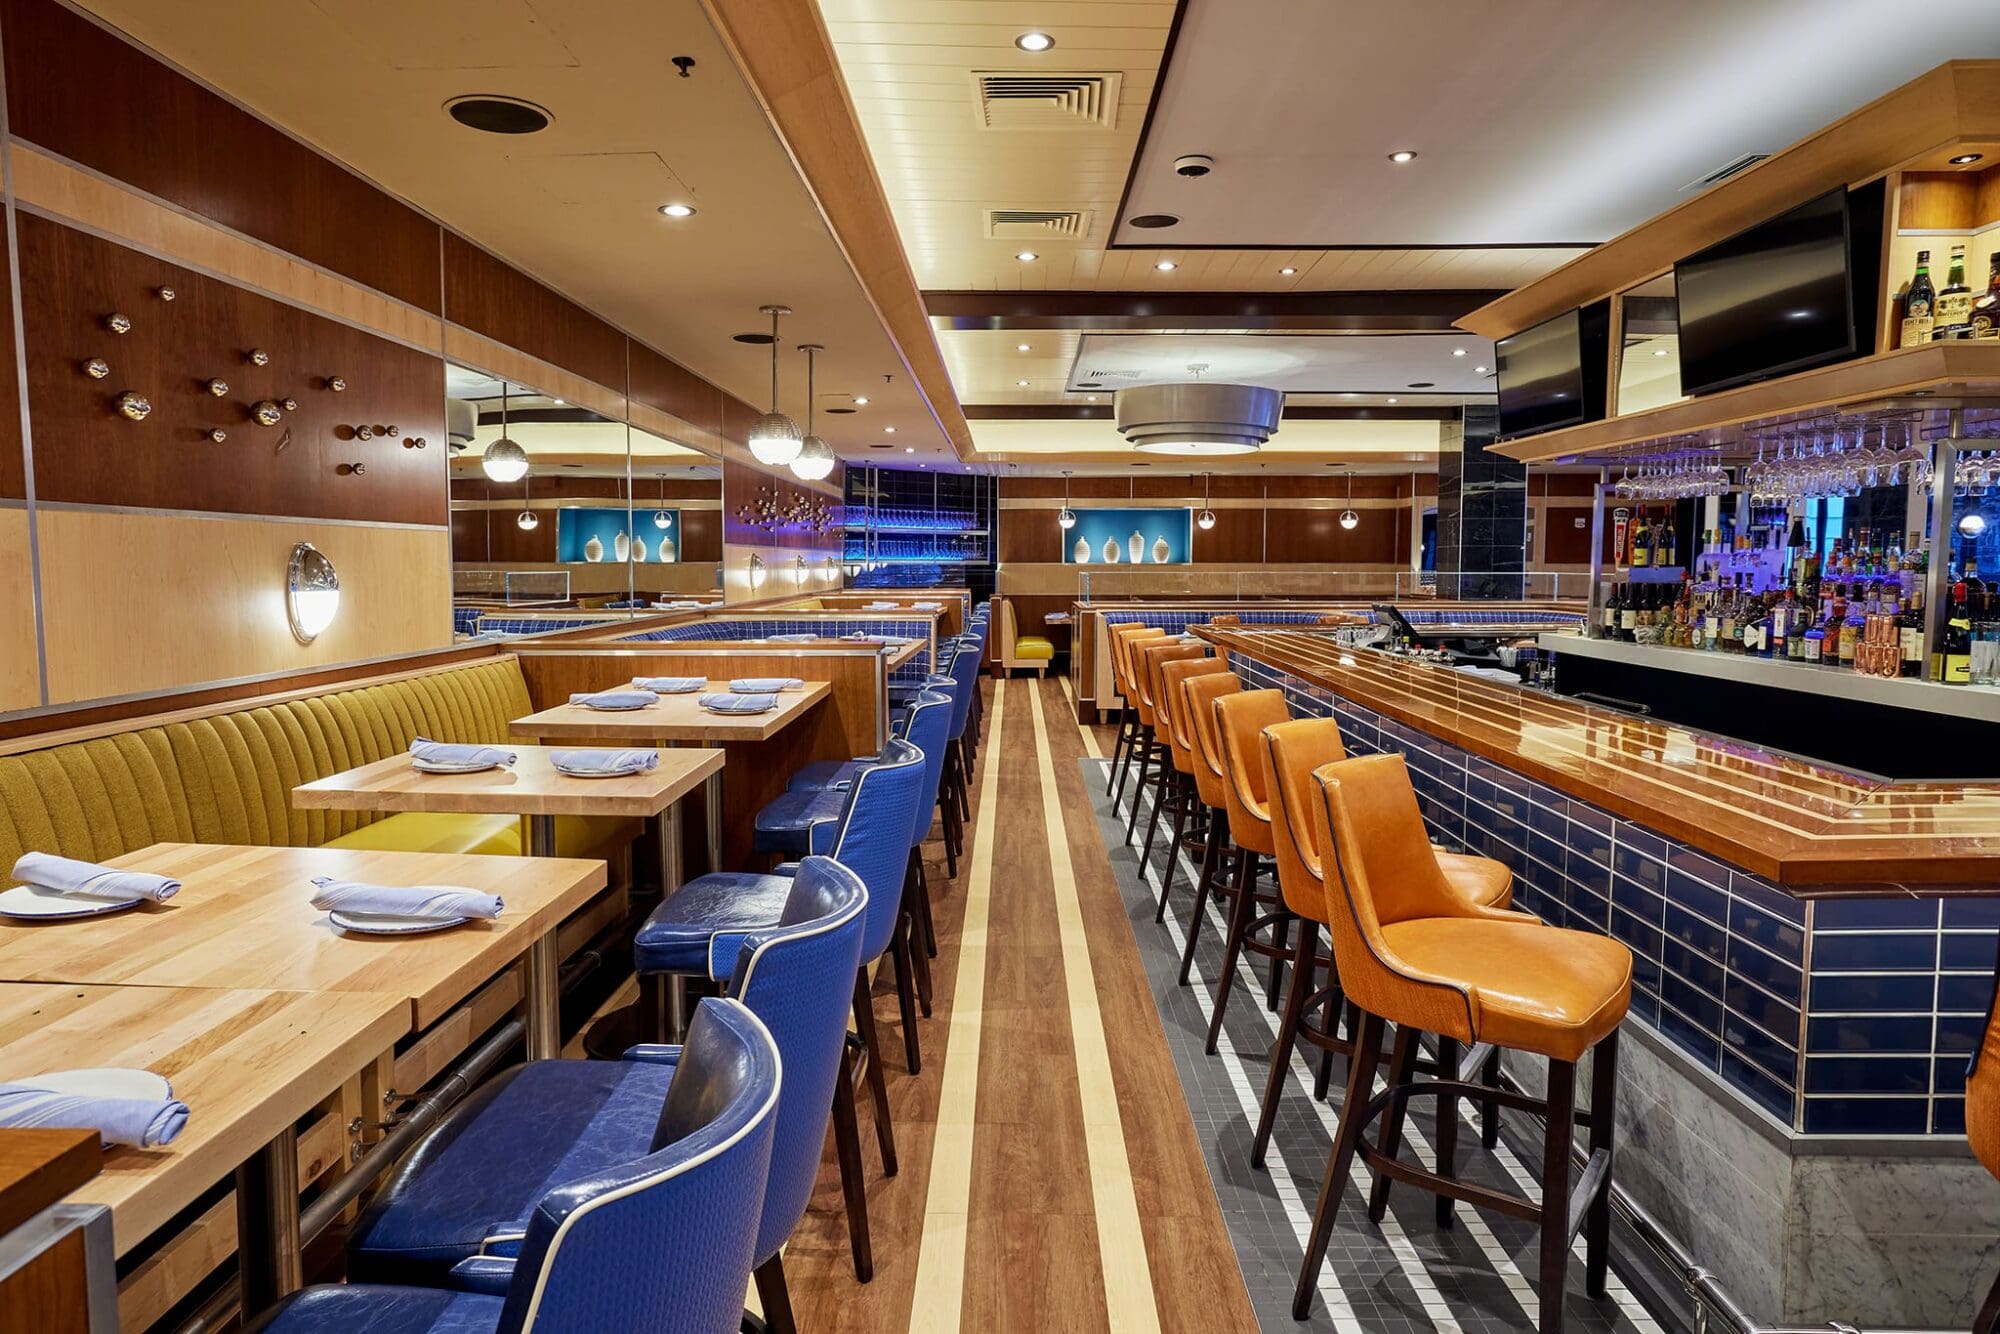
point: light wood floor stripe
(1090, 746)
(940, 1282)
(1128, 1283)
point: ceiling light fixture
(662, 519)
(1206, 519)
(1288, 271)
(1166, 266)
(1403, 155)
(1197, 417)
(1027, 256)
(1021, 347)
(1020, 384)
(1348, 518)
(861, 401)
(1392, 399)
(1479, 370)
(1964, 159)
(1659, 352)
(815, 458)
(888, 430)
(1458, 352)
(527, 520)
(1034, 42)
(498, 115)
(504, 460)
(774, 437)
(1065, 517)
(909, 449)
(677, 210)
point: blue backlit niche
(575, 527)
(1097, 526)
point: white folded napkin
(600, 763)
(64, 875)
(441, 901)
(765, 685)
(738, 703)
(139, 1123)
(670, 685)
(445, 752)
(615, 699)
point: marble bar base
(1800, 1229)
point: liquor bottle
(1910, 630)
(1986, 309)
(1954, 301)
(1919, 304)
(1609, 624)
(1628, 614)
(1669, 546)
(1642, 544)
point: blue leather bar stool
(957, 765)
(664, 1240)
(492, 1159)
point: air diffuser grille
(1008, 100)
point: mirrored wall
(557, 509)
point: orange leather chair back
(1200, 694)
(1226, 622)
(1982, 1096)
(1147, 659)
(1384, 871)
(1122, 637)
(1240, 720)
(1293, 750)
(1173, 708)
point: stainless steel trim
(541, 1005)
(1937, 577)
(267, 1222)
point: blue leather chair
(664, 1240)
(439, 1207)
(958, 759)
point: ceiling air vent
(1725, 171)
(1009, 100)
(1037, 224)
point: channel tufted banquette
(226, 776)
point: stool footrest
(1596, 1176)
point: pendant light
(1348, 518)
(1206, 519)
(527, 520)
(1066, 517)
(774, 437)
(662, 519)
(815, 458)
(504, 461)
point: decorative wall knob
(392, 431)
(167, 294)
(289, 404)
(364, 433)
(134, 406)
(415, 442)
(218, 435)
(259, 357)
(218, 387)
(118, 324)
(266, 413)
(352, 469)
(336, 383)
(97, 368)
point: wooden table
(248, 1063)
(676, 720)
(535, 789)
(243, 920)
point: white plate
(614, 708)
(143, 1085)
(620, 773)
(381, 924)
(738, 713)
(441, 767)
(31, 902)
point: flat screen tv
(1772, 299)
(1552, 375)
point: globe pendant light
(1348, 518)
(774, 437)
(1066, 517)
(504, 461)
(1206, 519)
(662, 519)
(815, 458)
(527, 520)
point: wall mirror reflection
(1649, 365)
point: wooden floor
(1050, 1174)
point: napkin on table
(402, 900)
(791, 639)
(615, 699)
(670, 685)
(444, 752)
(140, 1123)
(739, 703)
(765, 685)
(599, 763)
(89, 880)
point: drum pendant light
(1066, 517)
(774, 437)
(815, 457)
(1206, 519)
(504, 461)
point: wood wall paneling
(489, 296)
(1563, 543)
(700, 537)
(72, 282)
(81, 91)
(666, 385)
(1236, 539)
(20, 672)
(13, 464)
(141, 602)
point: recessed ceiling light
(1027, 256)
(1166, 266)
(909, 449)
(1421, 384)
(1403, 155)
(1020, 384)
(1392, 400)
(677, 210)
(1349, 393)
(1458, 352)
(1963, 158)
(1288, 270)
(498, 115)
(754, 339)
(861, 401)
(888, 430)
(1090, 398)
(1020, 347)
(1479, 370)
(1034, 41)
(559, 403)
(1659, 352)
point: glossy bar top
(1812, 828)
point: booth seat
(1019, 650)
(227, 776)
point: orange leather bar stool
(1148, 656)
(1200, 694)
(1413, 952)
(1240, 722)
(1121, 640)
(1292, 751)
(1982, 1131)
(1181, 795)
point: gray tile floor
(1404, 1276)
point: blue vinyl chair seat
(343, 1309)
(800, 822)
(699, 927)
(823, 774)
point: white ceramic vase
(638, 548)
(1110, 551)
(593, 550)
(1135, 547)
(621, 546)
(666, 551)
(1082, 551)
(1160, 551)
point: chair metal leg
(847, 1148)
(1211, 866)
(1360, 1085)
(878, 1084)
(1447, 1127)
(1296, 996)
(1402, 1066)
(906, 994)
(774, 1296)
(1603, 1138)
(1240, 913)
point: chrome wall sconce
(757, 571)
(312, 592)
(799, 571)
(134, 406)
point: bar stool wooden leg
(1160, 802)
(1184, 802)
(1556, 1140)
(1447, 1126)
(1340, 1164)
(1241, 912)
(1402, 1067)
(1283, 934)
(1139, 788)
(1988, 1319)
(1211, 866)
(1489, 1108)
(847, 1148)
(878, 1085)
(1118, 747)
(1329, 1020)
(1296, 996)
(1603, 1135)
(906, 997)
(775, 1296)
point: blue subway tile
(1697, 932)
(1641, 902)
(1755, 889)
(1868, 1074)
(1551, 821)
(1586, 908)
(1759, 1087)
(1697, 864)
(1878, 1033)
(1646, 972)
(1774, 975)
(1780, 936)
(1693, 969)
(1866, 1116)
(1948, 1075)
(1645, 870)
(1631, 836)
(1876, 952)
(1775, 1057)
(1964, 992)
(1948, 1116)
(1591, 817)
(1966, 951)
(1835, 914)
(1768, 1012)
(1877, 993)
(1689, 1036)
(1698, 897)
(1972, 912)
(1643, 938)
(1590, 874)
(1590, 845)
(1960, 1032)
(1645, 1004)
